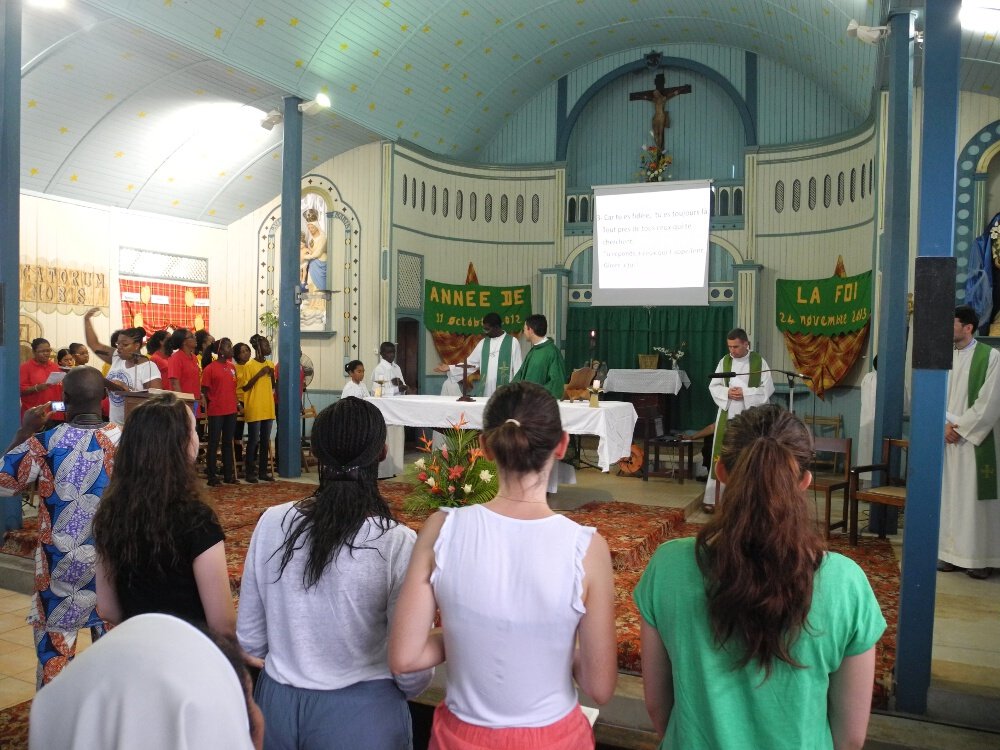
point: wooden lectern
(135, 398)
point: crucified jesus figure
(659, 96)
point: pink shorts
(572, 732)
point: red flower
(455, 472)
(422, 476)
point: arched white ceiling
(104, 81)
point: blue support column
(895, 256)
(10, 212)
(289, 398)
(942, 47)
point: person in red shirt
(218, 383)
(154, 348)
(182, 367)
(34, 373)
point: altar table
(612, 422)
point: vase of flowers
(655, 164)
(456, 474)
(674, 355)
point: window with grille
(812, 193)
(840, 189)
(458, 204)
(519, 209)
(796, 195)
(779, 196)
(536, 207)
(827, 191)
(472, 206)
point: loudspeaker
(933, 313)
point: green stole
(503, 364)
(986, 452)
(756, 364)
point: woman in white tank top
(526, 598)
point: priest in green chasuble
(970, 508)
(750, 386)
(500, 352)
(543, 364)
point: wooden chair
(823, 427)
(579, 382)
(827, 452)
(889, 489)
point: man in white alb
(970, 510)
(750, 386)
(500, 350)
(387, 380)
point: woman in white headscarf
(182, 693)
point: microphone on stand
(731, 374)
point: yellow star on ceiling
(126, 55)
(543, 26)
(315, 157)
(404, 28)
(376, 52)
(498, 21)
(142, 114)
(276, 155)
(299, 63)
(252, 89)
(399, 124)
(407, 91)
(407, 67)
(63, 130)
(487, 51)
(33, 171)
(426, 29)
(68, 66)
(130, 187)
(261, 22)
(416, 134)
(343, 46)
(241, 205)
(519, 25)
(465, 76)
(119, 154)
(325, 88)
(447, 110)
(222, 173)
(175, 202)
(109, 96)
(440, 141)
(458, 42)
(32, 103)
(168, 3)
(211, 212)
(218, 32)
(318, 138)
(486, 108)
(465, 13)
(446, 66)
(479, 94)
(199, 92)
(248, 177)
(170, 179)
(446, 89)
(293, 22)
(515, 57)
(353, 88)
(371, 106)
(386, 3)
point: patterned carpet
(633, 533)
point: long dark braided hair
(347, 439)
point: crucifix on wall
(659, 96)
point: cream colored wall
(357, 176)
(65, 233)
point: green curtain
(623, 333)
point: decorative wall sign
(825, 323)
(48, 288)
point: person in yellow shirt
(241, 355)
(257, 385)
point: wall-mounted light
(317, 105)
(274, 117)
(867, 34)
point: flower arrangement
(654, 163)
(672, 354)
(454, 475)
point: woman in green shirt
(753, 634)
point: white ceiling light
(980, 15)
(867, 34)
(274, 117)
(317, 105)
(48, 4)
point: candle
(597, 384)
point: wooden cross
(465, 381)
(659, 96)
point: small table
(669, 442)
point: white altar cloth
(647, 381)
(613, 422)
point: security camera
(867, 34)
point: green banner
(824, 306)
(459, 308)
